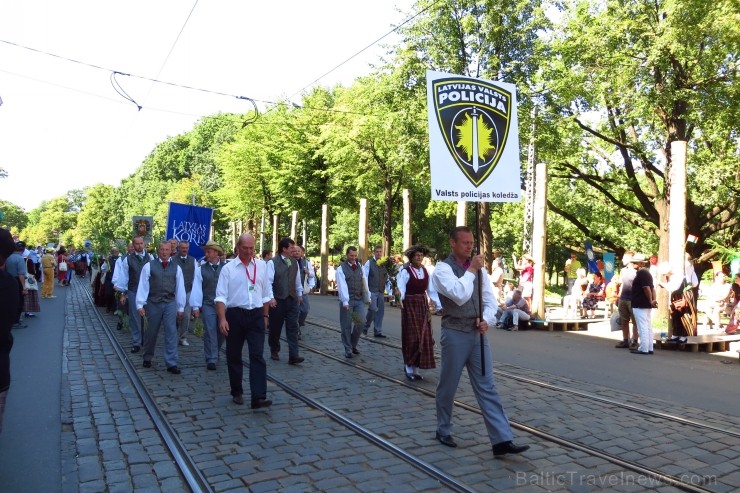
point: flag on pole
(692, 239)
(592, 265)
(190, 223)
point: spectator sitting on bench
(514, 309)
(572, 301)
(595, 293)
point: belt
(243, 309)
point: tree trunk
(662, 207)
(387, 217)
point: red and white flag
(692, 239)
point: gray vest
(459, 317)
(188, 270)
(210, 280)
(354, 280)
(376, 277)
(301, 264)
(283, 285)
(134, 269)
(162, 282)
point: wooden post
(275, 227)
(262, 233)
(462, 213)
(324, 248)
(362, 233)
(406, 219)
(294, 225)
(233, 235)
(303, 235)
(539, 240)
(677, 208)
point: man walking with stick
(461, 295)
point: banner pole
(479, 280)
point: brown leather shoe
(295, 360)
(262, 402)
(275, 356)
(238, 399)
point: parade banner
(592, 265)
(190, 223)
(609, 259)
(143, 227)
(473, 139)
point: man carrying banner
(287, 291)
(455, 282)
(188, 264)
(126, 281)
(161, 299)
(202, 299)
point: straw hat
(527, 256)
(215, 246)
(417, 248)
(639, 258)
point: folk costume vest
(354, 280)
(284, 283)
(187, 265)
(417, 285)
(210, 274)
(135, 264)
(162, 282)
(376, 277)
(459, 317)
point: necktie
(354, 266)
(215, 267)
(164, 264)
(141, 257)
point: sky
(62, 124)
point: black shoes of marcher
(382, 336)
(447, 440)
(136, 349)
(294, 360)
(410, 376)
(259, 403)
(274, 356)
(637, 351)
(504, 448)
(623, 345)
(147, 364)
(174, 370)
(211, 366)
(355, 351)
(238, 399)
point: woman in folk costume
(417, 294)
(682, 304)
(31, 298)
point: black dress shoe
(348, 355)
(174, 370)
(147, 364)
(410, 376)
(238, 399)
(259, 403)
(274, 356)
(504, 448)
(136, 349)
(637, 351)
(294, 360)
(383, 336)
(418, 377)
(446, 440)
(355, 351)
(211, 366)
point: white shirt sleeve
(402, 278)
(180, 293)
(270, 274)
(366, 268)
(120, 275)
(460, 289)
(196, 294)
(342, 290)
(432, 292)
(298, 284)
(310, 275)
(142, 293)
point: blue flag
(592, 267)
(609, 259)
(190, 223)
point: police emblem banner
(190, 223)
(473, 139)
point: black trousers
(286, 311)
(249, 326)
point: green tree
(14, 217)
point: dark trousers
(286, 312)
(246, 325)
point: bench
(714, 343)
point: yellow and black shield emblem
(474, 119)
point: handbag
(63, 267)
(31, 283)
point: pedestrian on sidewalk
(243, 294)
(455, 279)
(11, 300)
(160, 298)
(643, 301)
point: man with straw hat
(643, 301)
(202, 300)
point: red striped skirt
(417, 342)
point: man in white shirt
(160, 297)
(126, 280)
(354, 295)
(243, 296)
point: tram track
(633, 466)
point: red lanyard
(254, 273)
